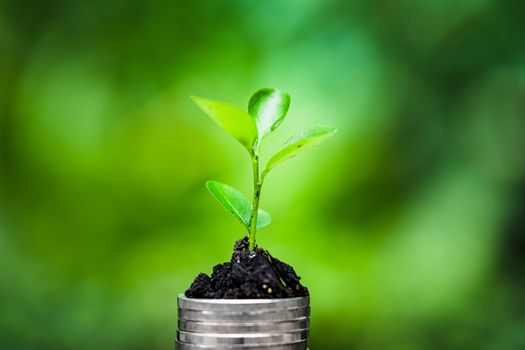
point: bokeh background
(407, 226)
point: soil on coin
(249, 275)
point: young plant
(266, 111)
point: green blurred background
(407, 226)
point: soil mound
(249, 275)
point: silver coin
(301, 345)
(245, 327)
(241, 304)
(246, 316)
(241, 339)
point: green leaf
(268, 107)
(236, 203)
(297, 144)
(263, 219)
(232, 119)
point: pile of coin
(238, 324)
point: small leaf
(231, 199)
(304, 140)
(236, 203)
(232, 119)
(263, 219)
(268, 107)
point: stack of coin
(243, 324)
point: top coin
(241, 304)
(245, 316)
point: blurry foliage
(414, 237)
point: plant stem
(257, 185)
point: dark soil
(249, 275)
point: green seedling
(267, 109)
